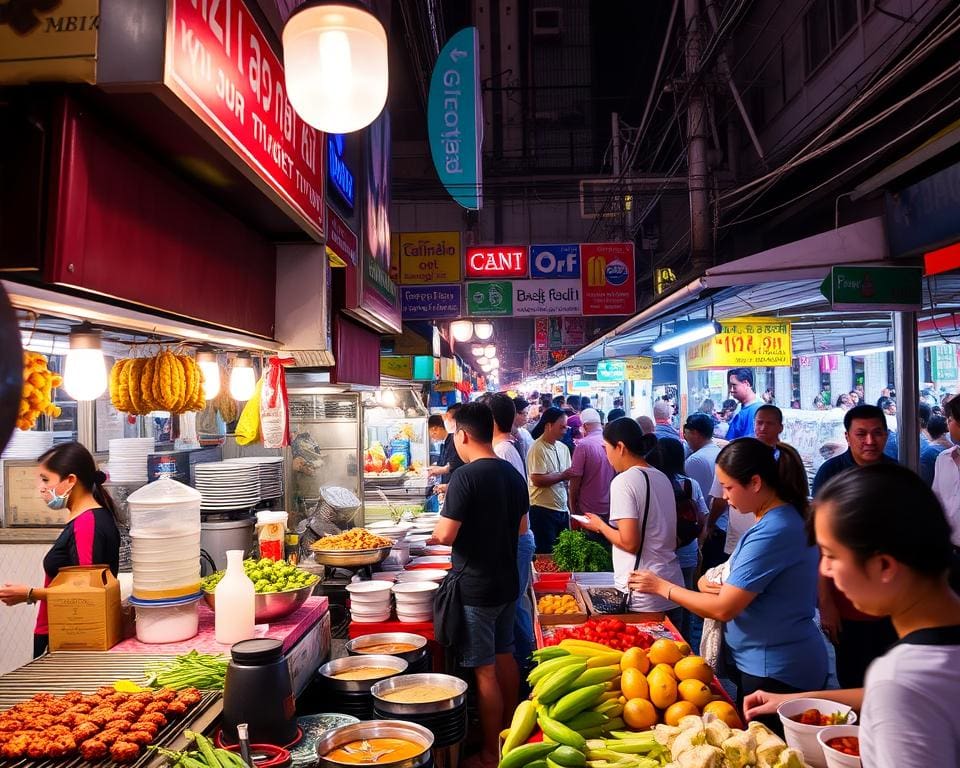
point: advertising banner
(611, 370)
(454, 119)
(573, 333)
(341, 241)
(490, 299)
(554, 261)
(546, 297)
(497, 261)
(744, 342)
(429, 257)
(431, 302)
(52, 41)
(639, 368)
(398, 366)
(221, 65)
(541, 333)
(608, 279)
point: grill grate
(59, 673)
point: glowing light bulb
(243, 380)
(210, 367)
(85, 371)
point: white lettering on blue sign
(340, 175)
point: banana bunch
(165, 382)
(37, 395)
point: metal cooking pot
(456, 686)
(335, 667)
(376, 729)
(356, 646)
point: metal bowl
(456, 699)
(272, 605)
(376, 729)
(332, 668)
(356, 646)
(351, 558)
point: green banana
(550, 652)
(611, 708)
(521, 726)
(568, 756)
(574, 703)
(588, 719)
(614, 724)
(547, 667)
(525, 754)
(596, 675)
(560, 733)
(537, 764)
(558, 684)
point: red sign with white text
(608, 279)
(222, 67)
(491, 261)
(340, 238)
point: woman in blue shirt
(769, 599)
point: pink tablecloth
(289, 629)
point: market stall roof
(780, 282)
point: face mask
(56, 501)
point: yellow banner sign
(429, 257)
(398, 366)
(639, 368)
(39, 42)
(744, 342)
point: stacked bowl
(369, 600)
(415, 600)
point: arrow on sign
(456, 54)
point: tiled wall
(19, 564)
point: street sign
(490, 299)
(892, 289)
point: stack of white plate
(27, 445)
(415, 600)
(434, 561)
(225, 486)
(128, 459)
(270, 470)
(421, 574)
(369, 600)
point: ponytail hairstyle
(73, 459)
(625, 430)
(746, 456)
(886, 509)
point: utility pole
(701, 256)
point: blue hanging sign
(341, 177)
(454, 119)
(551, 261)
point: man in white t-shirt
(547, 465)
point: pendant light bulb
(490, 350)
(483, 330)
(242, 378)
(389, 399)
(210, 368)
(461, 330)
(85, 370)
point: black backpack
(689, 526)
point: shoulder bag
(625, 600)
(448, 610)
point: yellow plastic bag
(248, 427)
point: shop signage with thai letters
(339, 173)
(398, 366)
(429, 257)
(744, 342)
(608, 278)
(52, 41)
(545, 297)
(573, 332)
(431, 302)
(497, 261)
(341, 241)
(611, 370)
(222, 66)
(541, 333)
(639, 368)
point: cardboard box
(83, 609)
(570, 588)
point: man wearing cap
(590, 473)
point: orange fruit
(693, 668)
(664, 651)
(635, 658)
(696, 692)
(677, 710)
(639, 714)
(725, 711)
(634, 684)
(666, 669)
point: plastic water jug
(234, 600)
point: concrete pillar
(783, 385)
(809, 382)
(841, 380)
(874, 376)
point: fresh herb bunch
(573, 551)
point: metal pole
(907, 381)
(697, 145)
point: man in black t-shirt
(483, 517)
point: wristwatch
(30, 598)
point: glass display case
(396, 453)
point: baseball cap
(589, 416)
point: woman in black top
(69, 478)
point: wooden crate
(539, 590)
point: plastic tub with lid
(167, 621)
(164, 506)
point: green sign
(489, 299)
(611, 370)
(893, 289)
(944, 363)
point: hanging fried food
(36, 398)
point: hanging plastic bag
(248, 426)
(274, 407)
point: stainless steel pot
(350, 558)
(356, 646)
(329, 671)
(456, 686)
(376, 729)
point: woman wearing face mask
(69, 479)
(885, 542)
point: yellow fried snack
(354, 539)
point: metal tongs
(367, 751)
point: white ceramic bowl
(411, 618)
(364, 609)
(804, 737)
(371, 600)
(432, 560)
(373, 619)
(415, 590)
(367, 588)
(833, 757)
(421, 574)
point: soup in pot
(375, 751)
(364, 673)
(419, 694)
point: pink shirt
(591, 466)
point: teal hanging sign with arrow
(454, 119)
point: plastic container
(235, 617)
(804, 737)
(167, 621)
(164, 507)
(833, 757)
(271, 533)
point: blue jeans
(523, 637)
(546, 524)
(487, 631)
